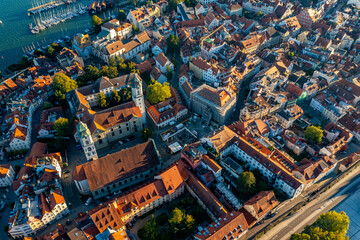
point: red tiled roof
(218, 97)
(38, 149)
(261, 204)
(205, 195)
(119, 165)
(212, 164)
(295, 90)
(162, 59)
(230, 226)
(4, 168)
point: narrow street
(11, 196)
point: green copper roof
(82, 130)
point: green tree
(156, 92)
(63, 84)
(246, 182)
(189, 222)
(329, 226)
(172, 5)
(125, 94)
(113, 72)
(110, 72)
(290, 54)
(24, 63)
(314, 133)
(190, 3)
(169, 73)
(176, 218)
(38, 52)
(172, 44)
(300, 236)
(122, 67)
(151, 230)
(135, 70)
(115, 97)
(96, 21)
(130, 67)
(121, 15)
(119, 59)
(50, 52)
(146, 133)
(101, 100)
(61, 126)
(180, 222)
(47, 105)
(92, 73)
(332, 221)
(112, 62)
(246, 14)
(259, 14)
(134, 29)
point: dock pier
(45, 6)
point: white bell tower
(138, 96)
(86, 141)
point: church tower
(138, 96)
(86, 141)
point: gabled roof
(112, 116)
(171, 179)
(45, 208)
(18, 133)
(211, 163)
(4, 168)
(218, 97)
(119, 165)
(295, 90)
(105, 216)
(56, 198)
(206, 196)
(261, 203)
(156, 73)
(162, 59)
(230, 226)
(187, 88)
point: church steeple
(86, 141)
(138, 96)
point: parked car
(88, 201)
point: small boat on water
(1, 22)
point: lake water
(15, 34)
